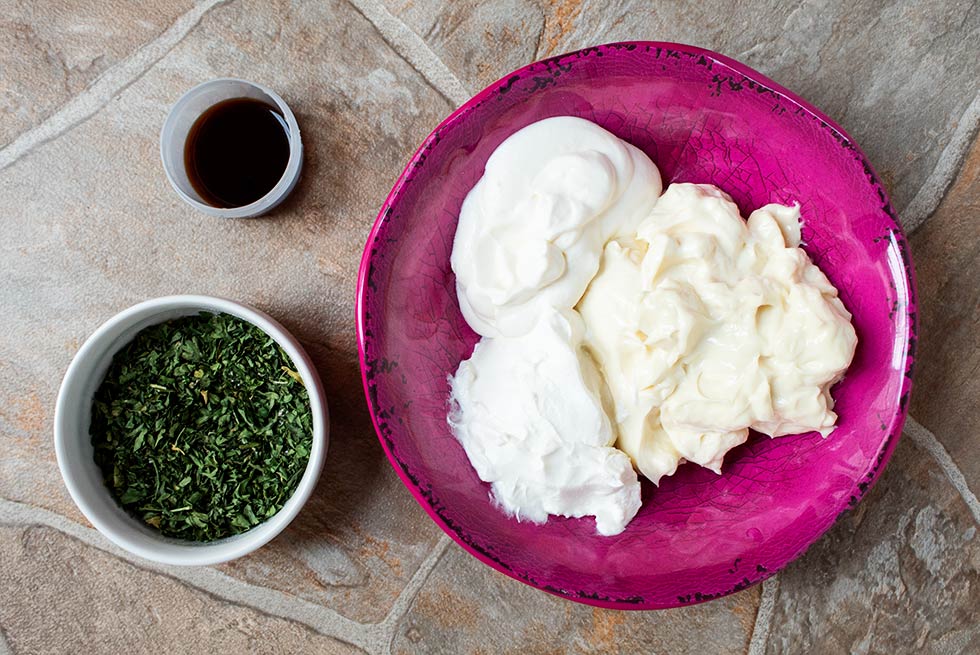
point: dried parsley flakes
(201, 427)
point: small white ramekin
(189, 108)
(73, 444)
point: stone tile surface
(62, 596)
(899, 574)
(52, 51)
(107, 231)
(479, 41)
(90, 226)
(467, 607)
(897, 75)
(947, 253)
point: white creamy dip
(531, 231)
(529, 239)
(666, 325)
(706, 325)
(529, 416)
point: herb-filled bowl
(191, 430)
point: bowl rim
(905, 269)
(167, 550)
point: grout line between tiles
(4, 646)
(411, 590)
(413, 49)
(112, 82)
(763, 617)
(932, 191)
(370, 637)
(927, 440)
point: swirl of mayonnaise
(706, 325)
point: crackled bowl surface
(701, 117)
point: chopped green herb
(202, 427)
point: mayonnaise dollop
(526, 405)
(705, 325)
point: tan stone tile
(561, 19)
(946, 252)
(892, 73)
(899, 574)
(90, 226)
(53, 51)
(62, 596)
(479, 41)
(466, 607)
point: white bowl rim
(167, 550)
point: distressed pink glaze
(702, 118)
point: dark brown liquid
(236, 152)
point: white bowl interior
(75, 452)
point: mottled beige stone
(946, 251)
(90, 226)
(61, 596)
(479, 41)
(897, 75)
(900, 574)
(466, 607)
(52, 51)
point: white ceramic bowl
(73, 444)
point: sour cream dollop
(531, 231)
(526, 405)
(529, 415)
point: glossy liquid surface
(236, 152)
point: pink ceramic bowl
(701, 117)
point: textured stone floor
(89, 226)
